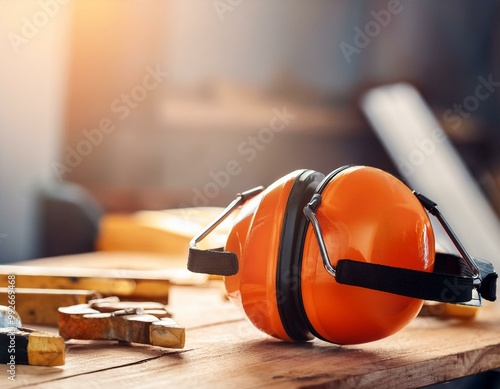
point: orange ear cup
(256, 239)
(366, 215)
(282, 285)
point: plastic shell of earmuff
(256, 239)
(366, 215)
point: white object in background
(429, 164)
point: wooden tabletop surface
(224, 351)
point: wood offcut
(26, 346)
(143, 322)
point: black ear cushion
(289, 263)
(319, 189)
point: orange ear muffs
(348, 258)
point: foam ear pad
(289, 264)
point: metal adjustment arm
(431, 207)
(427, 203)
(217, 261)
(311, 216)
(240, 199)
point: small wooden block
(445, 310)
(45, 349)
(26, 346)
(167, 333)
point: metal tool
(110, 319)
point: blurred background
(148, 105)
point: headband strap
(440, 285)
(448, 288)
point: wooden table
(224, 351)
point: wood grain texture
(20, 345)
(223, 350)
(45, 349)
(39, 306)
(129, 284)
(171, 267)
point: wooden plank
(85, 358)
(224, 350)
(39, 306)
(220, 356)
(196, 306)
(113, 260)
(167, 231)
(171, 267)
(126, 284)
